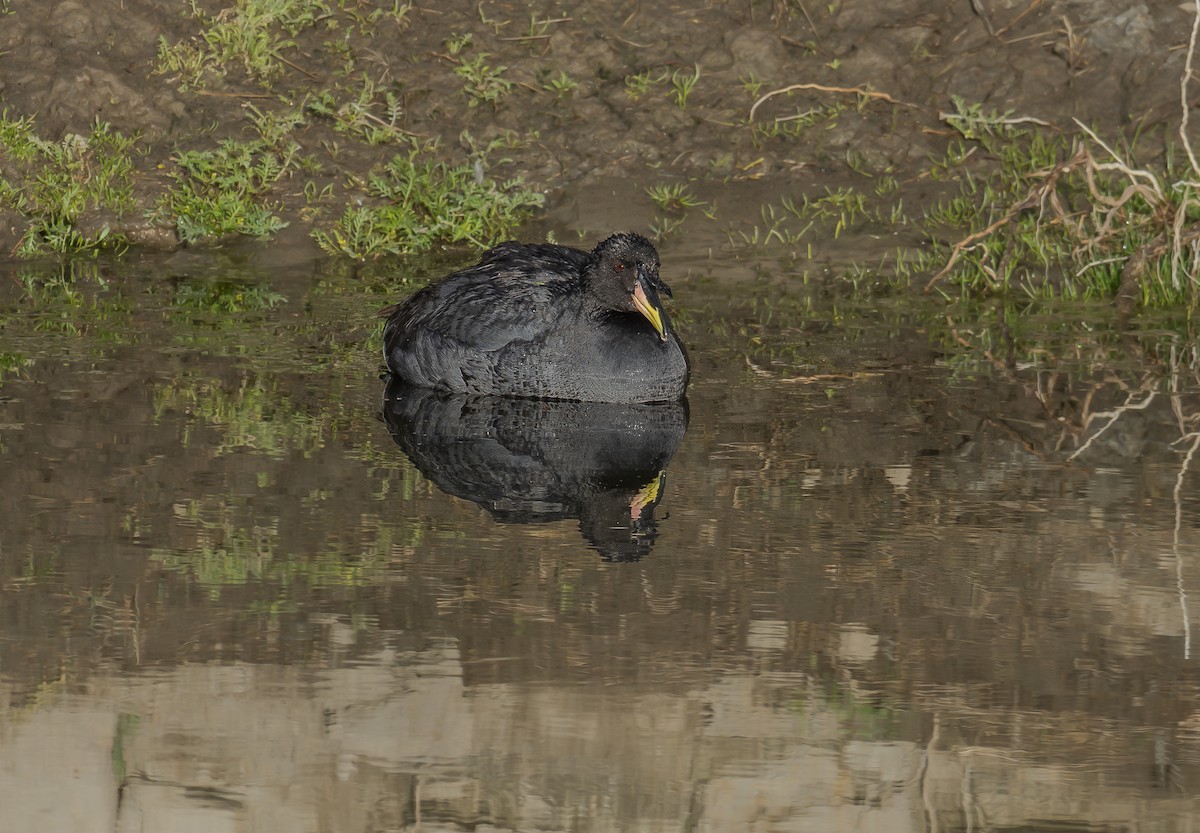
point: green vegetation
(223, 191)
(795, 124)
(677, 200)
(223, 298)
(1059, 216)
(422, 202)
(560, 84)
(790, 222)
(682, 84)
(483, 84)
(674, 197)
(58, 184)
(638, 85)
(367, 114)
(1017, 207)
(253, 34)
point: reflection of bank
(396, 741)
(533, 461)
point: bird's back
(448, 334)
(523, 322)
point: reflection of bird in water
(546, 321)
(533, 461)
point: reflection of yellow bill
(652, 313)
(648, 496)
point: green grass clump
(1058, 216)
(221, 192)
(676, 196)
(560, 84)
(367, 113)
(639, 84)
(252, 34)
(682, 84)
(823, 218)
(483, 83)
(426, 202)
(55, 184)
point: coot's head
(623, 275)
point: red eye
(620, 267)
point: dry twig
(861, 91)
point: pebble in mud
(758, 54)
(73, 22)
(1129, 33)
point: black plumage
(544, 321)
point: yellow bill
(648, 305)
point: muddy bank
(562, 97)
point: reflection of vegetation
(252, 415)
(55, 184)
(11, 363)
(1088, 381)
(127, 726)
(227, 553)
(70, 298)
(225, 297)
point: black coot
(544, 321)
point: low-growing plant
(252, 34)
(638, 85)
(791, 126)
(368, 114)
(751, 85)
(789, 222)
(560, 84)
(55, 184)
(484, 84)
(220, 192)
(457, 43)
(367, 21)
(422, 202)
(676, 196)
(663, 227)
(682, 84)
(1059, 216)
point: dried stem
(862, 91)
(1183, 86)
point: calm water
(858, 584)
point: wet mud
(872, 77)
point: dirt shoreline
(592, 93)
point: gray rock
(758, 53)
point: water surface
(871, 586)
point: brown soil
(1107, 62)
